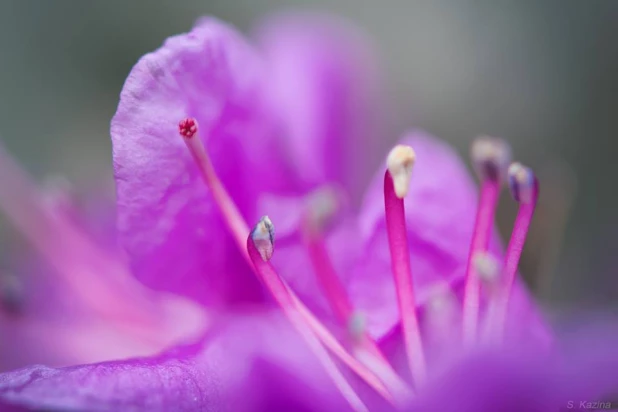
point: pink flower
(378, 306)
(256, 110)
(76, 301)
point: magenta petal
(168, 221)
(252, 363)
(325, 93)
(580, 372)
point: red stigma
(187, 127)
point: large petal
(252, 363)
(168, 221)
(326, 94)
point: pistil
(188, 129)
(490, 157)
(396, 183)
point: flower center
(300, 316)
(491, 157)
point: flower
(377, 309)
(257, 113)
(70, 303)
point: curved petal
(251, 363)
(325, 91)
(168, 221)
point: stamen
(322, 205)
(525, 189)
(523, 183)
(490, 157)
(256, 248)
(399, 164)
(264, 238)
(239, 230)
(487, 267)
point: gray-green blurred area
(543, 74)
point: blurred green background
(543, 74)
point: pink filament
(239, 229)
(516, 244)
(402, 272)
(362, 370)
(341, 305)
(490, 192)
(513, 254)
(281, 293)
(327, 277)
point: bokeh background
(543, 74)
